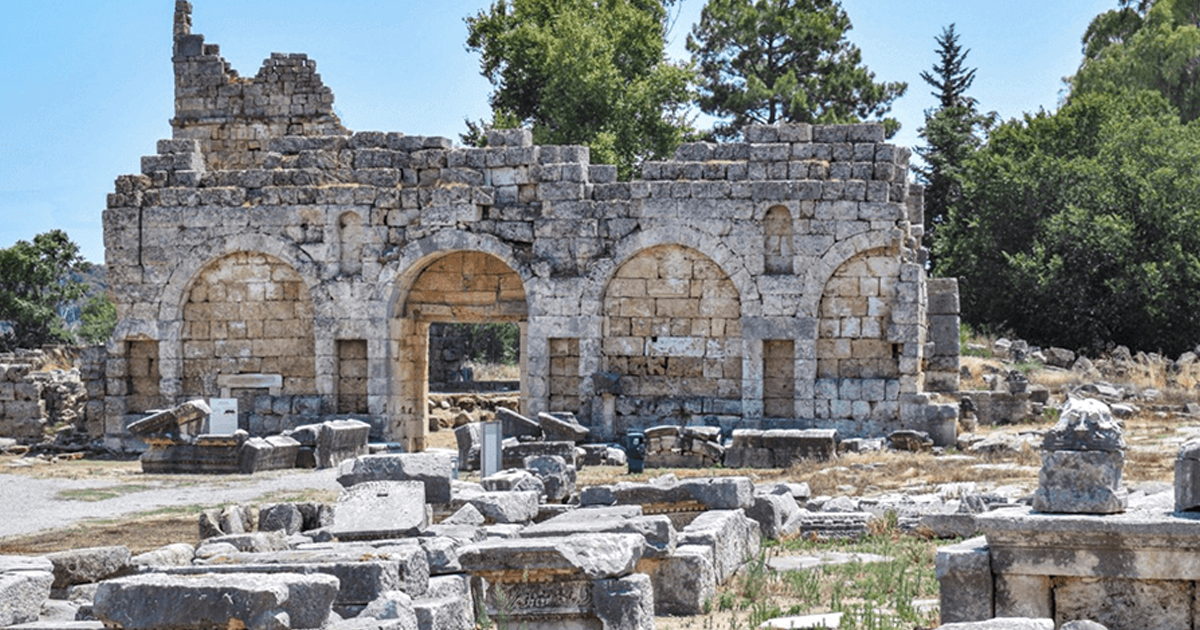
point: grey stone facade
(773, 283)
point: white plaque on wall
(224, 418)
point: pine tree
(772, 61)
(952, 132)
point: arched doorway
(454, 287)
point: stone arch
(672, 333)
(251, 313)
(858, 367)
(175, 293)
(450, 285)
(779, 251)
(817, 275)
(731, 264)
(350, 243)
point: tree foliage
(590, 72)
(952, 131)
(35, 281)
(1145, 46)
(1082, 227)
(772, 61)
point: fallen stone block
(392, 605)
(459, 614)
(24, 586)
(515, 425)
(559, 430)
(685, 581)
(284, 517)
(958, 525)
(715, 493)
(1006, 623)
(177, 554)
(558, 477)
(733, 537)
(500, 507)
(658, 532)
(829, 525)
(431, 469)
(514, 455)
(380, 509)
(513, 480)
(340, 440)
(592, 556)
(262, 454)
(255, 542)
(172, 421)
(469, 438)
(448, 613)
(81, 566)
(626, 602)
(773, 512)
(964, 572)
(193, 602)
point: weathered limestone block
(449, 603)
(659, 534)
(1081, 468)
(558, 430)
(500, 507)
(171, 421)
(558, 478)
(513, 481)
(773, 512)
(513, 455)
(284, 517)
(1125, 604)
(513, 424)
(176, 554)
(964, 573)
(1010, 623)
(684, 581)
(393, 605)
(828, 525)
(196, 602)
(433, 470)
(380, 509)
(713, 493)
(625, 603)
(24, 586)
(340, 440)
(273, 453)
(1187, 477)
(592, 556)
(1020, 595)
(81, 566)
(733, 537)
(469, 438)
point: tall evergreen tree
(772, 61)
(952, 131)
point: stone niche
(774, 283)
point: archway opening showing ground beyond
(458, 287)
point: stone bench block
(361, 582)
(82, 566)
(403, 565)
(829, 525)
(203, 602)
(593, 556)
(431, 469)
(733, 537)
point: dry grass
(494, 371)
(139, 533)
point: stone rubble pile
(177, 446)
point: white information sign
(224, 418)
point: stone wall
(265, 239)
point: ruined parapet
(232, 117)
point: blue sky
(88, 85)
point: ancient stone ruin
(771, 283)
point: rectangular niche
(352, 376)
(143, 376)
(779, 378)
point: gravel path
(29, 505)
